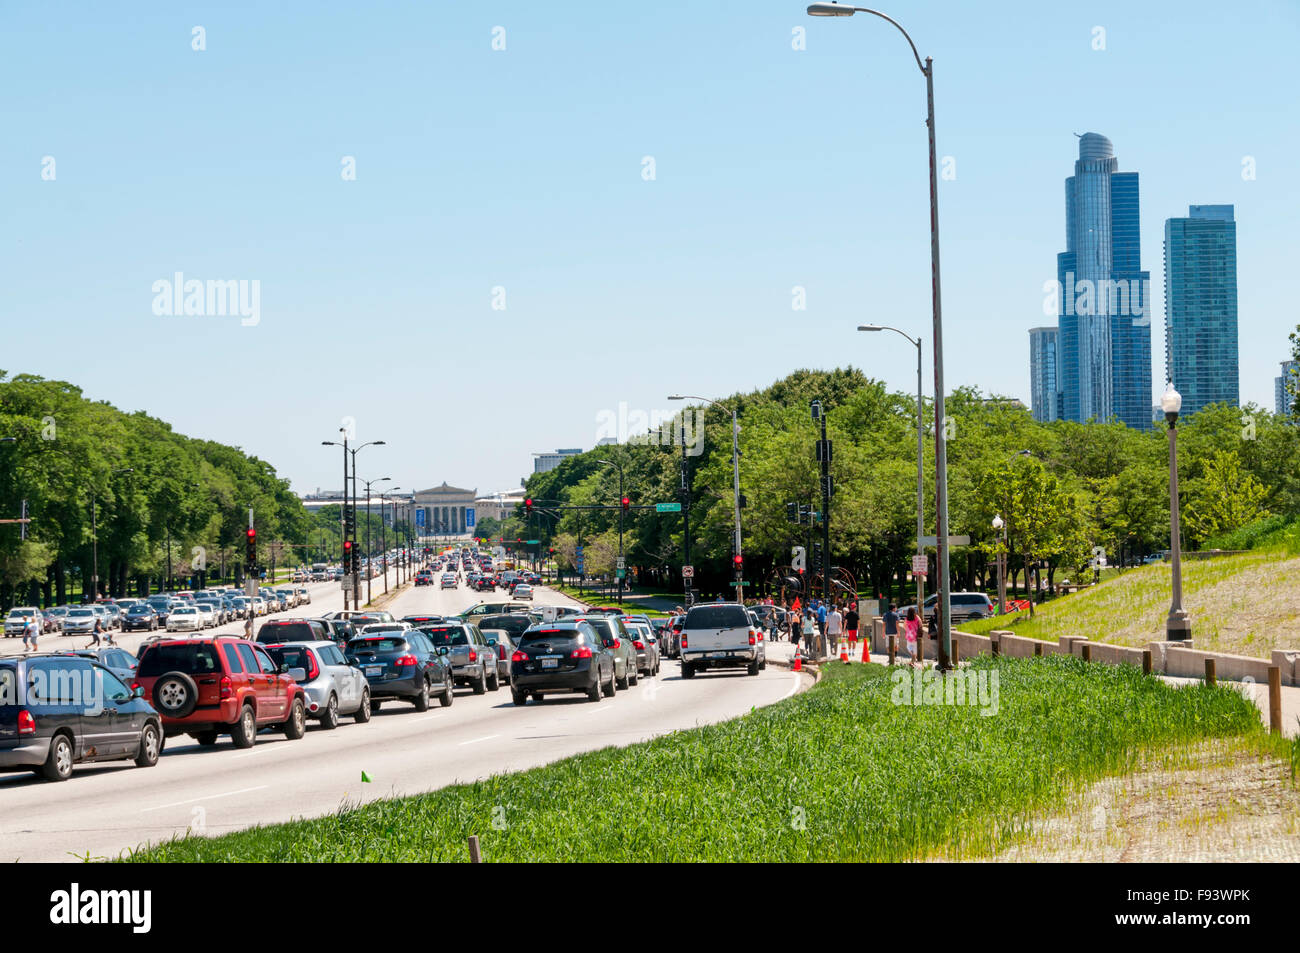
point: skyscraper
(1104, 350)
(1044, 389)
(1201, 306)
(1283, 396)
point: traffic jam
(301, 673)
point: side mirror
(138, 692)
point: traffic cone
(866, 651)
(798, 662)
(844, 652)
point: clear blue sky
(522, 169)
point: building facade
(1044, 390)
(1104, 343)
(1284, 396)
(544, 462)
(442, 511)
(1201, 306)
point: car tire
(422, 700)
(330, 719)
(480, 683)
(622, 682)
(175, 695)
(494, 681)
(593, 692)
(295, 726)
(751, 668)
(519, 698)
(611, 687)
(448, 694)
(362, 714)
(688, 670)
(633, 675)
(243, 733)
(150, 746)
(206, 738)
(58, 763)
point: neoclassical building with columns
(444, 509)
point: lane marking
(477, 740)
(209, 797)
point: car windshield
(446, 635)
(82, 613)
(187, 657)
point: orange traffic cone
(866, 652)
(798, 662)
(844, 652)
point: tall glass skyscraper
(1104, 352)
(1282, 396)
(1044, 388)
(1201, 306)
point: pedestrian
(891, 624)
(96, 633)
(851, 627)
(821, 619)
(809, 629)
(248, 628)
(912, 625)
(31, 632)
(834, 629)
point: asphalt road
(105, 809)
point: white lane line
(477, 740)
(209, 797)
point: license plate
(374, 670)
(550, 663)
(718, 654)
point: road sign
(250, 587)
(920, 565)
(622, 563)
(952, 540)
(533, 542)
(688, 572)
(469, 517)
(578, 558)
(668, 507)
(419, 517)
(620, 573)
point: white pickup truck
(721, 635)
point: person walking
(891, 625)
(912, 625)
(851, 627)
(834, 629)
(821, 625)
(96, 634)
(31, 632)
(809, 629)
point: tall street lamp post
(1000, 527)
(343, 521)
(383, 535)
(1179, 625)
(622, 571)
(920, 457)
(738, 555)
(941, 450)
(369, 555)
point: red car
(219, 685)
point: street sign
(920, 565)
(349, 583)
(688, 572)
(668, 507)
(622, 563)
(620, 573)
(533, 542)
(469, 517)
(952, 540)
(250, 587)
(578, 558)
(419, 517)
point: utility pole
(686, 514)
(824, 457)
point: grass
(1246, 604)
(837, 773)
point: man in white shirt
(834, 629)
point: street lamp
(737, 559)
(920, 457)
(383, 535)
(1179, 625)
(1000, 528)
(622, 572)
(940, 444)
(368, 550)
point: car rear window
(445, 635)
(291, 657)
(288, 632)
(189, 658)
(550, 635)
(717, 617)
(514, 623)
(377, 645)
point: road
(105, 809)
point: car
(52, 727)
(57, 614)
(564, 656)
(720, 635)
(646, 645)
(333, 687)
(304, 597)
(292, 630)
(140, 616)
(964, 606)
(17, 619)
(424, 577)
(185, 619)
(208, 613)
(216, 684)
(473, 661)
(288, 598)
(493, 608)
(402, 664)
(448, 581)
(162, 606)
(523, 591)
(117, 660)
(614, 636)
(80, 620)
(419, 620)
(504, 645)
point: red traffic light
(528, 503)
(738, 560)
(252, 533)
(626, 502)
(347, 545)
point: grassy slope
(1246, 605)
(836, 773)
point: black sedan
(555, 657)
(140, 616)
(402, 664)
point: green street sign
(533, 542)
(620, 573)
(668, 507)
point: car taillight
(404, 660)
(519, 657)
(501, 651)
(312, 669)
(685, 641)
(639, 644)
(583, 652)
(227, 687)
(752, 640)
(473, 656)
(26, 723)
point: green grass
(837, 773)
(1246, 604)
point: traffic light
(551, 551)
(528, 506)
(626, 503)
(738, 561)
(252, 547)
(792, 512)
(347, 556)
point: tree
(1225, 498)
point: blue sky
(522, 169)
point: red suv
(220, 685)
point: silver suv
(473, 660)
(332, 686)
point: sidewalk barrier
(844, 651)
